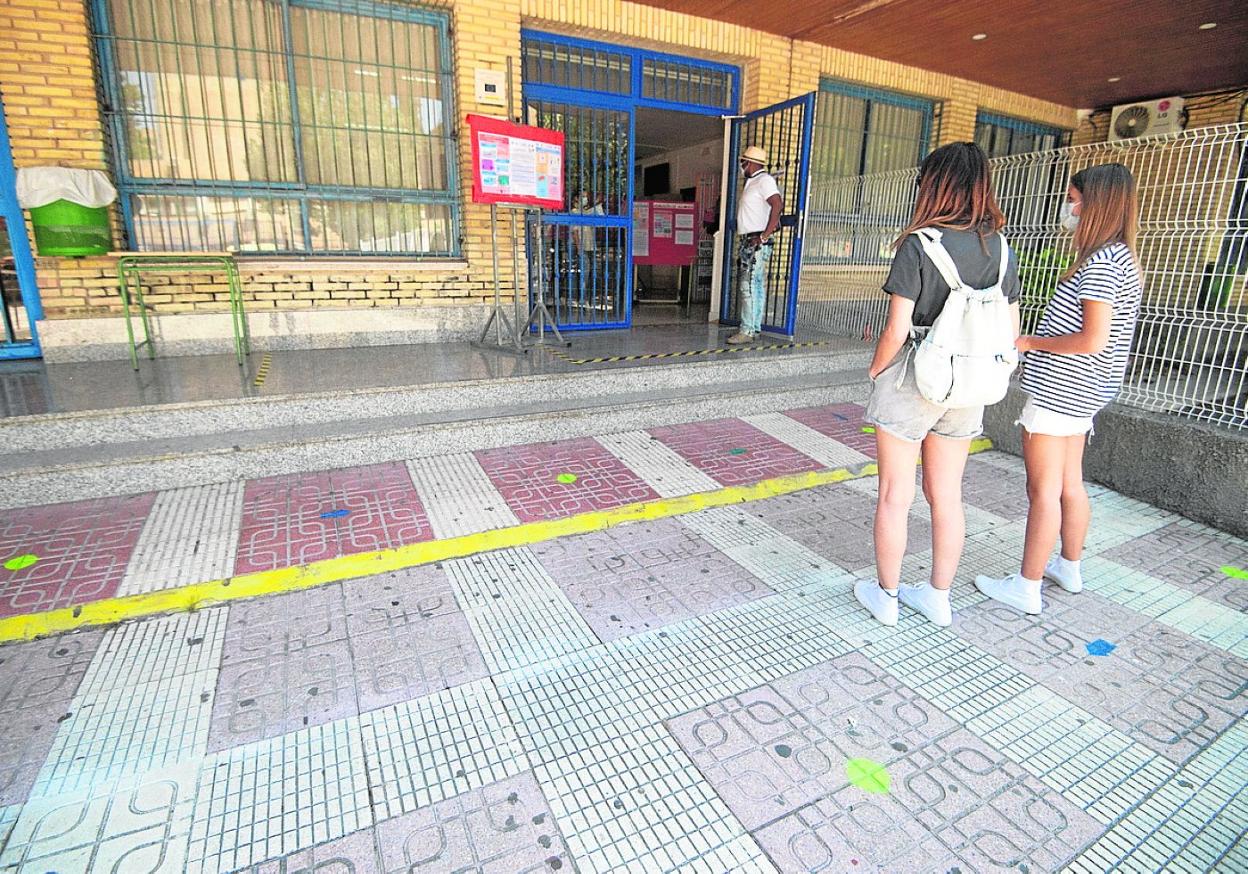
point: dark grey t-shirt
(914, 276)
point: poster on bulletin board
(515, 163)
(664, 233)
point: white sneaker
(1019, 593)
(883, 606)
(928, 600)
(1065, 573)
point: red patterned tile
(529, 478)
(734, 452)
(82, 550)
(293, 520)
(841, 422)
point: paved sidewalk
(692, 690)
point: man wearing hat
(758, 217)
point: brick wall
(47, 81)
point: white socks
(1065, 573)
(928, 600)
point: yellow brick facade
(47, 80)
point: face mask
(1069, 221)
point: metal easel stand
(506, 338)
(539, 313)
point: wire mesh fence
(1190, 352)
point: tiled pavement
(698, 692)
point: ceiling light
(1114, 79)
(1210, 25)
(980, 36)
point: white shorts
(1047, 422)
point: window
(862, 132)
(299, 127)
(998, 136)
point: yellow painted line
(262, 372)
(650, 356)
(197, 596)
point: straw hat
(756, 155)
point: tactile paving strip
(424, 751)
(663, 469)
(145, 703)
(458, 496)
(517, 613)
(823, 449)
(278, 796)
(189, 537)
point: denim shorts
(903, 412)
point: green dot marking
(1235, 573)
(568, 478)
(737, 451)
(868, 776)
(20, 561)
(867, 429)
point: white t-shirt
(753, 210)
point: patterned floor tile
(1192, 557)
(774, 749)
(667, 575)
(144, 703)
(271, 628)
(425, 751)
(732, 452)
(37, 683)
(458, 496)
(81, 551)
(663, 469)
(408, 636)
(354, 854)
(841, 422)
(505, 826)
(997, 490)
(836, 522)
(140, 824)
(293, 520)
(828, 452)
(553, 480)
(277, 797)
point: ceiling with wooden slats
(1066, 51)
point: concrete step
(510, 412)
(184, 420)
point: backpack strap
(939, 255)
(1005, 259)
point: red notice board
(515, 163)
(664, 233)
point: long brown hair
(955, 191)
(1110, 212)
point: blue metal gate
(784, 131)
(20, 338)
(591, 91)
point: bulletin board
(515, 163)
(664, 233)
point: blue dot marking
(1100, 647)
(335, 514)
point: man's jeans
(752, 261)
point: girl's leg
(897, 460)
(1045, 458)
(944, 461)
(1076, 510)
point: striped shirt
(1081, 385)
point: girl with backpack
(946, 350)
(1074, 366)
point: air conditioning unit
(1153, 118)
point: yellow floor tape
(196, 596)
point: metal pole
(498, 303)
(516, 303)
(541, 279)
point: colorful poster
(516, 163)
(664, 232)
(662, 222)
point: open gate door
(784, 131)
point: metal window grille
(582, 67)
(674, 82)
(999, 135)
(309, 127)
(1190, 352)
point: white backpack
(966, 358)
